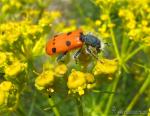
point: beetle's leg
(91, 52)
(61, 56)
(77, 54)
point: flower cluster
(12, 70)
(8, 95)
(78, 81)
(137, 30)
(103, 24)
(105, 66)
(45, 81)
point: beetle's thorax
(91, 40)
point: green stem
(141, 90)
(133, 53)
(55, 110)
(114, 41)
(79, 106)
(32, 105)
(109, 103)
(132, 45)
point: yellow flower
(104, 17)
(60, 70)
(105, 66)
(8, 95)
(6, 86)
(76, 79)
(134, 34)
(3, 58)
(111, 25)
(149, 112)
(5, 8)
(98, 22)
(146, 41)
(122, 13)
(48, 18)
(89, 78)
(80, 90)
(15, 68)
(144, 22)
(2, 97)
(146, 30)
(90, 86)
(103, 28)
(131, 24)
(126, 14)
(44, 80)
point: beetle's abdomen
(64, 42)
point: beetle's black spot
(68, 43)
(55, 35)
(54, 50)
(53, 43)
(54, 39)
(69, 33)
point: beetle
(63, 43)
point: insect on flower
(63, 43)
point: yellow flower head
(105, 66)
(98, 22)
(80, 90)
(49, 17)
(8, 94)
(131, 24)
(126, 14)
(146, 41)
(104, 17)
(6, 86)
(44, 80)
(144, 22)
(89, 78)
(14, 68)
(76, 79)
(3, 58)
(149, 112)
(111, 25)
(60, 70)
(133, 33)
(2, 97)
